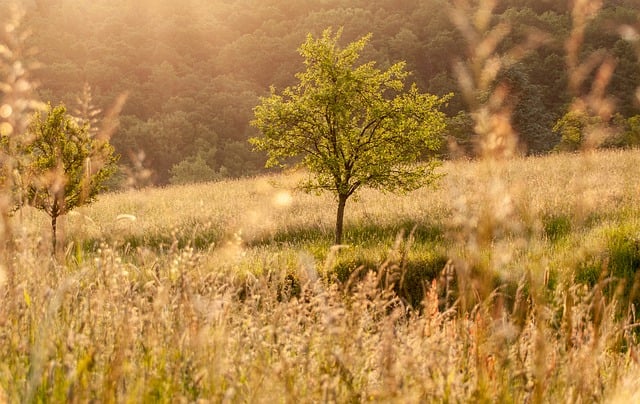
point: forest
(194, 70)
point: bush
(572, 127)
(192, 170)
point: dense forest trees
(194, 69)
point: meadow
(509, 281)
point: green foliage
(192, 170)
(624, 254)
(66, 167)
(213, 59)
(616, 266)
(571, 127)
(628, 131)
(631, 135)
(622, 263)
(532, 118)
(460, 134)
(620, 131)
(167, 138)
(350, 126)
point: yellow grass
(144, 307)
(601, 182)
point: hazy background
(194, 69)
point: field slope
(508, 282)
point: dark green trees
(350, 126)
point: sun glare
(282, 199)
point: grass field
(508, 282)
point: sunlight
(282, 199)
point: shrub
(192, 170)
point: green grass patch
(557, 226)
(407, 270)
(616, 264)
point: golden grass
(255, 315)
(600, 182)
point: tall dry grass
(228, 322)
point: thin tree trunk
(342, 201)
(54, 229)
(55, 212)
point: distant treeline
(194, 69)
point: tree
(350, 126)
(66, 166)
(631, 134)
(572, 128)
(192, 170)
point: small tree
(350, 126)
(572, 128)
(66, 166)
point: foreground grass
(504, 284)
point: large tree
(350, 126)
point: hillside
(230, 290)
(194, 69)
(548, 203)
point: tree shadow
(355, 234)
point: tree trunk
(54, 230)
(55, 212)
(342, 201)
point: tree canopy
(350, 126)
(66, 167)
